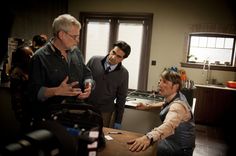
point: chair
(189, 96)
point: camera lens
(37, 143)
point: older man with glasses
(57, 71)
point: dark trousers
(169, 148)
(108, 119)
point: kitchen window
(218, 50)
(100, 30)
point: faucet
(131, 92)
(208, 64)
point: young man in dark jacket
(111, 79)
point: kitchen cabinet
(214, 104)
(140, 121)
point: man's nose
(113, 57)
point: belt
(187, 149)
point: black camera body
(37, 143)
(49, 138)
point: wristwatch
(150, 137)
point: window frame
(147, 19)
(200, 65)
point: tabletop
(118, 145)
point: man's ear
(60, 34)
(176, 86)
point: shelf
(212, 67)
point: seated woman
(38, 41)
(18, 83)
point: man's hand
(87, 91)
(139, 144)
(142, 106)
(117, 126)
(66, 89)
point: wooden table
(119, 147)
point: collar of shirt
(109, 65)
(69, 56)
(167, 103)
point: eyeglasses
(75, 37)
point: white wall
(173, 20)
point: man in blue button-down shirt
(57, 70)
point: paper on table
(136, 101)
(108, 137)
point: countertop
(134, 97)
(215, 86)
